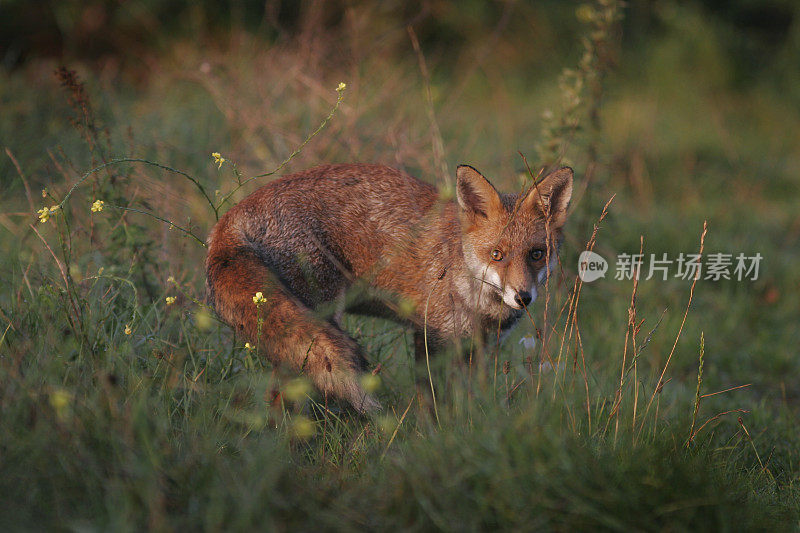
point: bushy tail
(286, 330)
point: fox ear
(475, 194)
(551, 196)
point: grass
(174, 425)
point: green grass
(172, 426)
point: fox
(284, 263)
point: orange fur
(371, 239)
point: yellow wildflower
(98, 206)
(249, 347)
(218, 158)
(259, 299)
(171, 279)
(585, 13)
(341, 87)
(44, 193)
(75, 272)
(128, 329)
(447, 193)
(370, 382)
(170, 300)
(387, 424)
(203, 319)
(60, 400)
(297, 389)
(44, 214)
(302, 427)
(406, 307)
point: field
(661, 404)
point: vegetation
(651, 405)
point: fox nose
(523, 298)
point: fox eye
(536, 254)
(497, 255)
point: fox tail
(286, 330)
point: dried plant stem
(697, 396)
(630, 334)
(117, 161)
(164, 220)
(75, 322)
(572, 313)
(660, 382)
(753, 445)
(22, 177)
(204, 193)
(726, 390)
(438, 143)
(242, 183)
(396, 429)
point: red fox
(449, 268)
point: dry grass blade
(24, 180)
(438, 143)
(399, 423)
(753, 445)
(697, 396)
(572, 312)
(660, 382)
(726, 390)
(59, 263)
(630, 334)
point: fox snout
(518, 299)
(523, 298)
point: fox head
(510, 241)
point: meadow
(657, 404)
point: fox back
(370, 239)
